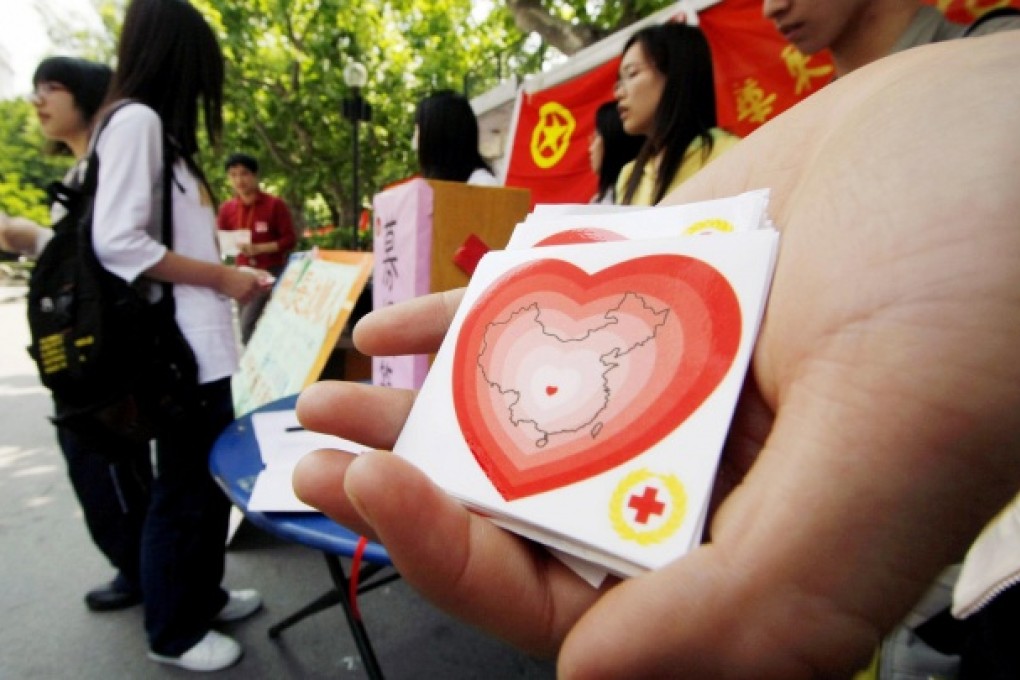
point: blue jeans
(183, 546)
(114, 497)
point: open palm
(876, 434)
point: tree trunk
(568, 38)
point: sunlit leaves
(24, 169)
(285, 84)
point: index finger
(413, 327)
(365, 414)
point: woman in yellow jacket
(665, 92)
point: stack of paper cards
(231, 240)
(282, 443)
(554, 224)
(584, 391)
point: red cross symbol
(646, 505)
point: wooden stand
(419, 228)
(459, 210)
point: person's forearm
(19, 235)
(175, 268)
(230, 281)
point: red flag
(550, 149)
(755, 80)
(758, 75)
(968, 11)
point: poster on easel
(300, 326)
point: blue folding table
(235, 462)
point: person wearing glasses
(666, 93)
(110, 477)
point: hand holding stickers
(585, 389)
(873, 443)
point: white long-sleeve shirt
(126, 230)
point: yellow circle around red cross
(708, 226)
(647, 507)
(551, 137)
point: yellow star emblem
(551, 137)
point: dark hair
(447, 137)
(86, 81)
(618, 147)
(168, 59)
(244, 159)
(687, 108)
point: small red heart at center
(551, 390)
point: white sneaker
(214, 652)
(242, 604)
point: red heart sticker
(580, 235)
(560, 375)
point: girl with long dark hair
(609, 149)
(168, 81)
(446, 131)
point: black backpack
(116, 363)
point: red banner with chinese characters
(758, 75)
(550, 150)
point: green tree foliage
(569, 25)
(24, 169)
(73, 38)
(285, 86)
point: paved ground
(47, 563)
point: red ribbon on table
(359, 551)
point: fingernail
(351, 484)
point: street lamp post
(356, 110)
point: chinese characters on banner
(402, 247)
(758, 75)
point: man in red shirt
(268, 220)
